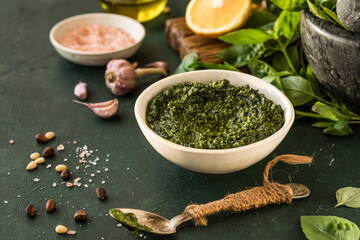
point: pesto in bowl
(217, 115)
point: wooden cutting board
(184, 41)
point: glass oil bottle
(141, 10)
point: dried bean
(40, 138)
(32, 165)
(50, 205)
(65, 174)
(49, 135)
(101, 193)
(48, 152)
(60, 167)
(35, 155)
(80, 216)
(60, 229)
(30, 210)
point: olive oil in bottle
(141, 10)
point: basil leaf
(298, 90)
(318, 12)
(329, 228)
(246, 36)
(281, 64)
(331, 4)
(291, 5)
(273, 77)
(322, 124)
(188, 63)
(313, 81)
(259, 18)
(341, 124)
(333, 16)
(343, 132)
(287, 24)
(218, 66)
(237, 55)
(348, 196)
(328, 112)
(259, 68)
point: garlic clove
(80, 90)
(158, 64)
(107, 109)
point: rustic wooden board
(184, 41)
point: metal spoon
(161, 225)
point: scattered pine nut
(11, 141)
(60, 167)
(69, 184)
(60, 229)
(32, 165)
(74, 142)
(71, 232)
(39, 160)
(49, 135)
(35, 155)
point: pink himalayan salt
(96, 38)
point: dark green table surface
(36, 89)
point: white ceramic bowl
(207, 160)
(131, 26)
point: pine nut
(30, 210)
(48, 152)
(60, 167)
(32, 165)
(35, 155)
(60, 229)
(50, 205)
(40, 138)
(49, 135)
(40, 160)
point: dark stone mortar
(334, 55)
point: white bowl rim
(86, 15)
(277, 134)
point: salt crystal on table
(36, 179)
(6, 201)
(11, 141)
(54, 184)
(48, 166)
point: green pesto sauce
(213, 116)
(130, 220)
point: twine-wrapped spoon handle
(269, 193)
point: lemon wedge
(213, 18)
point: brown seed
(80, 216)
(48, 152)
(50, 205)
(101, 193)
(65, 174)
(30, 210)
(40, 138)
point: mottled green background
(36, 89)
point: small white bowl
(131, 26)
(208, 160)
